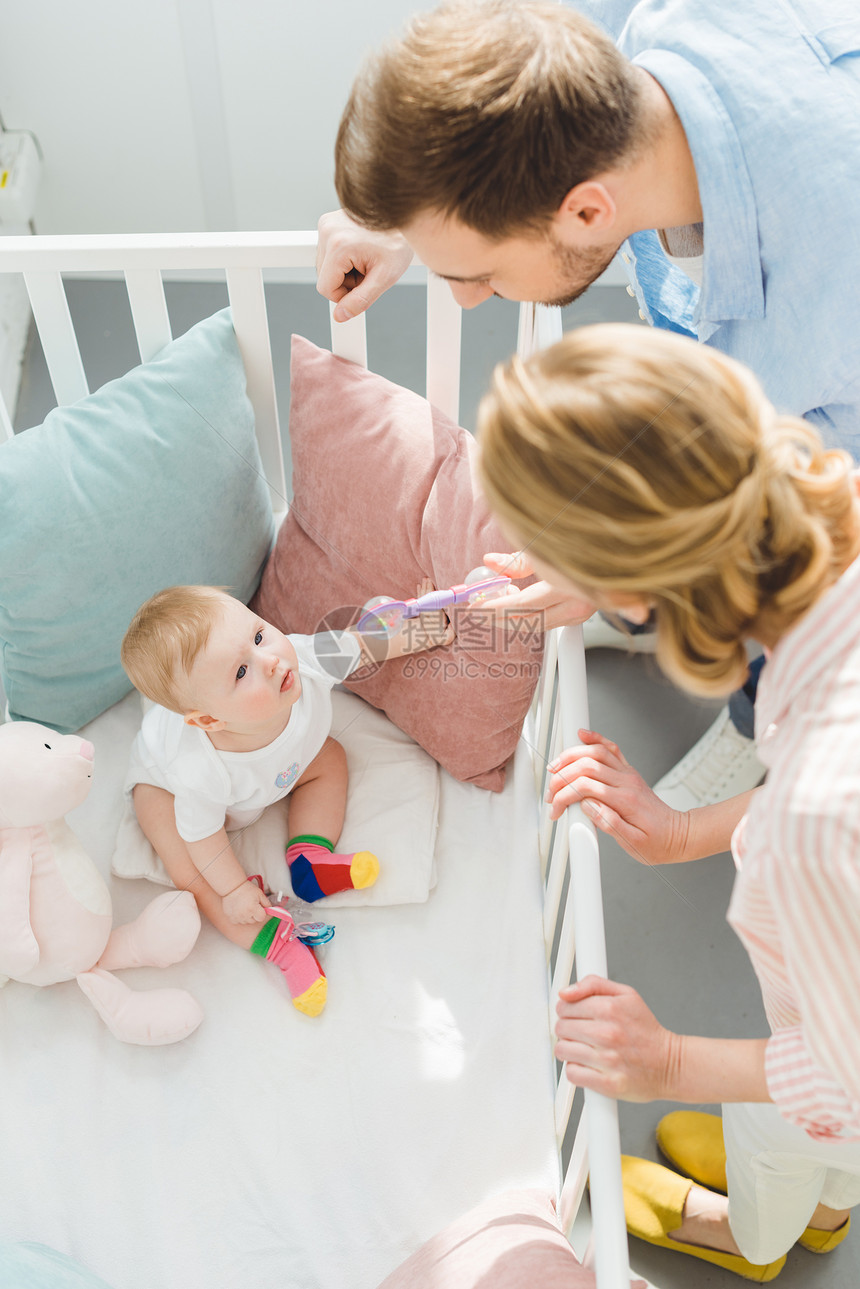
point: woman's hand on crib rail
(355, 265)
(618, 801)
(611, 1041)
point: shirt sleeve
(839, 426)
(813, 1069)
(197, 816)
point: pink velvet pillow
(512, 1241)
(385, 495)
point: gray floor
(666, 927)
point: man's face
(539, 267)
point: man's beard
(577, 270)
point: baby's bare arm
(241, 901)
(213, 857)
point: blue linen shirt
(768, 93)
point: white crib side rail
(573, 926)
(143, 258)
(586, 897)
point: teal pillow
(35, 1266)
(153, 481)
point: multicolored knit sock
(305, 977)
(317, 870)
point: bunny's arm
(19, 951)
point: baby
(242, 718)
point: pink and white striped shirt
(796, 901)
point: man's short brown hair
(488, 111)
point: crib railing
(574, 934)
(143, 258)
(573, 917)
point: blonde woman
(645, 473)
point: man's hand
(246, 904)
(355, 265)
(555, 607)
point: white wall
(162, 115)
(172, 115)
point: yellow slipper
(693, 1142)
(654, 1199)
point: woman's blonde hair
(164, 638)
(642, 463)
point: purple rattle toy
(382, 613)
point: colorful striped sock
(316, 869)
(305, 977)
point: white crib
(572, 905)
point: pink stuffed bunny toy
(56, 921)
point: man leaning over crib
(516, 148)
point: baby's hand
(246, 904)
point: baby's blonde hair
(164, 638)
(639, 462)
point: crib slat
(610, 1233)
(555, 882)
(444, 319)
(54, 324)
(546, 826)
(148, 310)
(539, 326)
(564, 955)
(564, 1094)
(248, 302)
(6, 431)
(349, 339)
(575, 1179)
(546, 707)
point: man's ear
(589, 208)
(211, 724)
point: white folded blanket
(392, 809)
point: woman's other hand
(554, 607)
(611, 1041)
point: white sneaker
(597, 633)
(722, 764)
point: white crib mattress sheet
(269, 1148)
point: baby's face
(247, 676)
